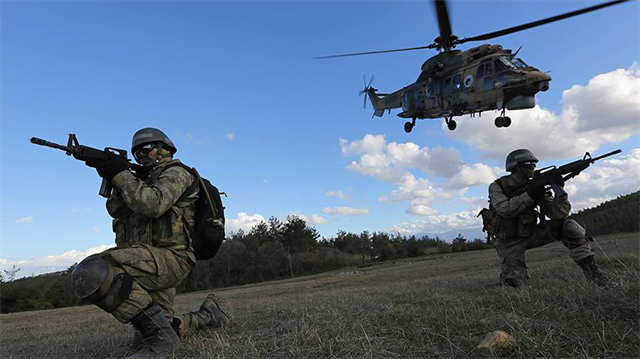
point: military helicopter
(455, 83)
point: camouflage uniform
(153, 243)
(516, 227)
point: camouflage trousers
(512, 250)
(156, 272)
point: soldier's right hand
(536, 191)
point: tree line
(276, 249)
(620, 215)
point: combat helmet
(521, 155)
(151, 135)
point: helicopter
(455, 83)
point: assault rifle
(556, 176)
(86, 153)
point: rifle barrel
(606, 155)
(41, 142)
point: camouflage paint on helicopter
(456, 83)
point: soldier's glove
(109, 168)
(558, 180)
(536, 191)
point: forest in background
(284, 249)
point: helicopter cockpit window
(480, 71)
(447, 85)
(519, 63)
(503, 64)
(436, 88)
(488, 69)
(457, 82)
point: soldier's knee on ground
(573, 234)
(99, 282)
(514, 271)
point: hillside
(432, 306)
(621, 215)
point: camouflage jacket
(153, 212)
(517, 216)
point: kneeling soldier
(153, 213)
(516, 228)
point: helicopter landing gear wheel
(507, 121)
(502, 120)
(451, 123)
(408, 126)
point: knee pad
(573, 234)
(96, 281)
(572, 229)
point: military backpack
(208, 234)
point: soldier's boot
(158, 337)
(592, 272)
(209, 315)
(136, 341)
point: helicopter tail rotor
(367, 88)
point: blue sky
(235, 86)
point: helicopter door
(432, 94)
(487, 78)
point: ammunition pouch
(516, 227)
(521, 226)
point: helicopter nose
(539, 80)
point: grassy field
(433, 306)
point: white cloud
(24, 220)
(474, 175)
(606, 110)
(51, 263)
(243, 221)
(346, 211)
(311, 220)
(96, 229)
(391, 162)
(339, 194)
(230, 136)
(438, 223)
(369, 144)
(191, 139)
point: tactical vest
(168, 230)
(520, 226)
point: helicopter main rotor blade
(376, 52)
(511, 30)
(443, 19)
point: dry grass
(435, 306)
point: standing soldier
(516, 227)
(153, 216)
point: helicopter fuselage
(455, 83)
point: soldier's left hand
(111, 167)
(559, 180)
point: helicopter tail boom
(382, 102)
